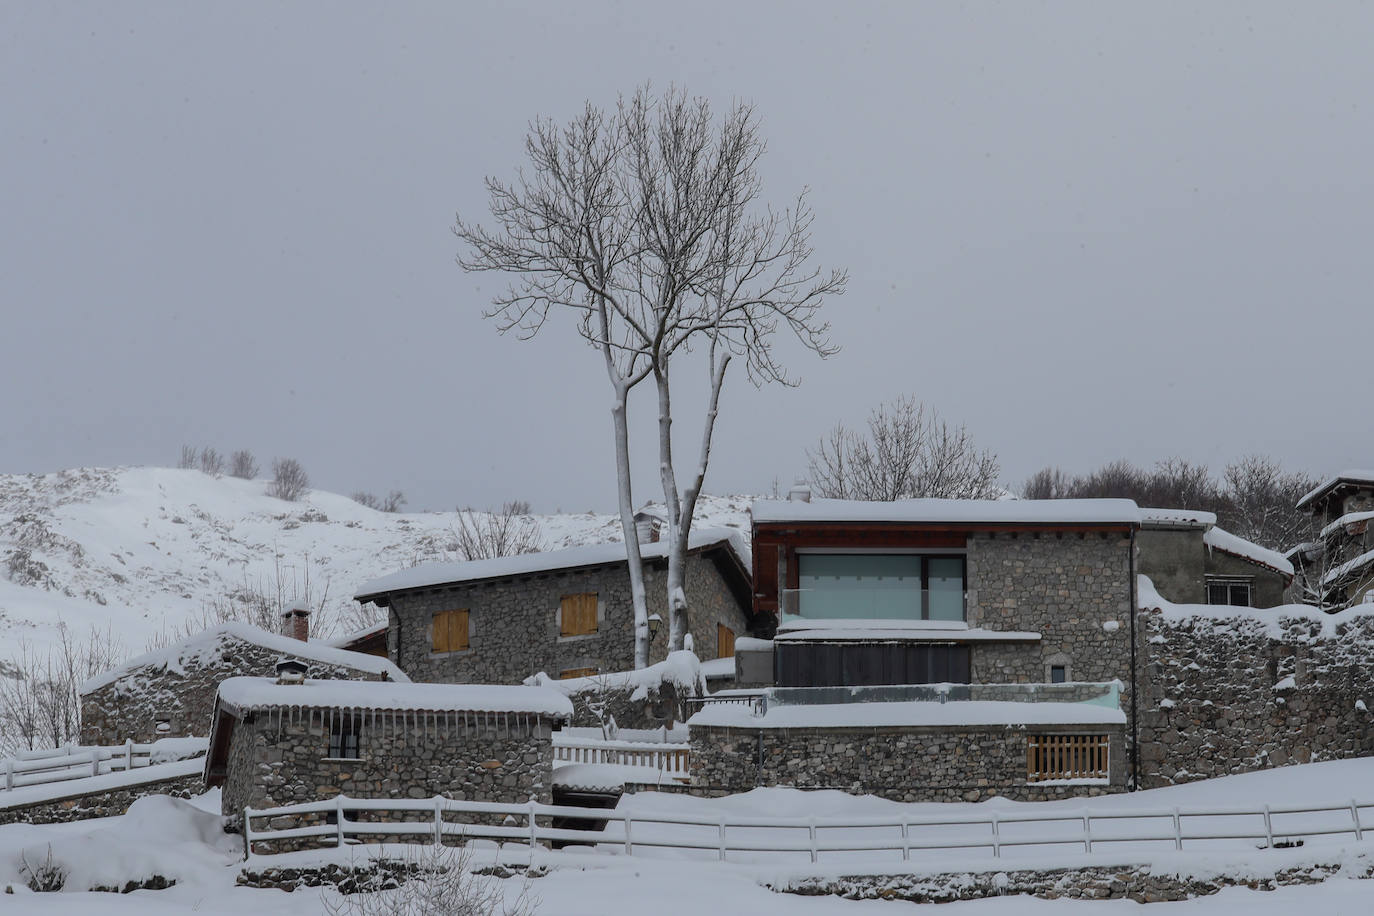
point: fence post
(906, 841)
(1268, 828)
(438, 820)
(629, 847)
(811, 834)
(247, 833)
(534, 802)
(9, 774)
(1178, 831)
(996, 838)
(1087, 831)
(95, 763)
(338, 820)
(1355, 816)
(720, 839)
(129, 754)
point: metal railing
(757, 701)
(723, 836)
(670, 759)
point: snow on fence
(1128, 831)
(671, 759)
(73, 761)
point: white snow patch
(1226, 542)
(246, 693)
(681, 669)
(916, 713)
(984, 511)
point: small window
(725, 641)
(578, 615)
(1058, 674)
(450, 631)
(1067, 757)
(343, 737)
(576, 672)
(1234, 592)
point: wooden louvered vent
(1066, 757)
(578, 614)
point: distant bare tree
(243, 465)
(907, 452)
(40, 700)
(1262, 503)
(1046, 483)
(504, 533)
(289, 480)
(189, 458)
(392, 502)
(211, 462)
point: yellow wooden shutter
(725, 641)
(579, 614)
(575, 672)
(450, 631)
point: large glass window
(895, 586)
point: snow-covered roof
(251, 693)
(1176, 518)
(953, 511)
(682, 669)
(1349, 566)
(339, 642)
(204, 648)
(431, 574)
(1350, 518)
(1271, 620)
(915, 713)
(805, 629)
(1353, 476)
(1226, 542)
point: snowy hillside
(138, 553)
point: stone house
(1192, 561)
(564, 612)
(1337, 569)
(284, 741)
(170, 692)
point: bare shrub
(444, 884)
(906, 452)
(243, 465)
(289, 480)
(1262, 502)
(42, 877)
(189, 458)
(40, 700)
(392, 502)
(504, 533)
(211, 462)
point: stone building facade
(171, 692)
(277, 744)
(514, 606)
(1191, 561)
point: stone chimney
(649, 523)
(800, 492)
(295, 621)
(290, 671)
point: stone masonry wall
(1237, 690)
(912, 764)
(99, 804)
(514, 630)
(283, 760)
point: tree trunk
(627, 525)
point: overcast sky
(1086, 231)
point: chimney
(800, 492)
(649, 523)
(290, 671)
(295, 621)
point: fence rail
(533, 824)
(71, 761)
(670, 759)
(757, 701)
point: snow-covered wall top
(1270, 619)
(1176, 518)
(1350, 518)
(1226, 542)
(922, 713)
(1352, 475)
(431, 574)
(682, 669)
(206, 645)
(1354, 564)
(952, 511)
(245, 693)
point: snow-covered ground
(137, 552)
(181, 841)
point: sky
(1086, 231)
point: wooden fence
(71, 761)
(670, 759)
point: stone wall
(911, 764)
(1235, 690)
(514, 629)
(184, 699)
(1174, 558)
(279, 759)
(109, 803)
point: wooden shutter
(579, 614)
(450, 631)
(576, 672)
(725, 641)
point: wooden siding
(725, 641)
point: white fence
(775, 839)
(670, 759)
(71, 761)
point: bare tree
(907, 452)
(243, 465)
(504, 533)
(1262, 502)
(188, 459)
(289, 480)
(392, 502)
(1046, 483)
(40, 700)
(211, 462)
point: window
(725, 641)
(576, 672)
(1067, 757)
(578, 615)
(343, 736)
(1058, 674)
(889, 586)
(450, 631)
(1228, 591)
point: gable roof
(952, 511)
(1176, 518)
(430, 575)
(1357, 478)
(1236, 546)
(206, 644)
